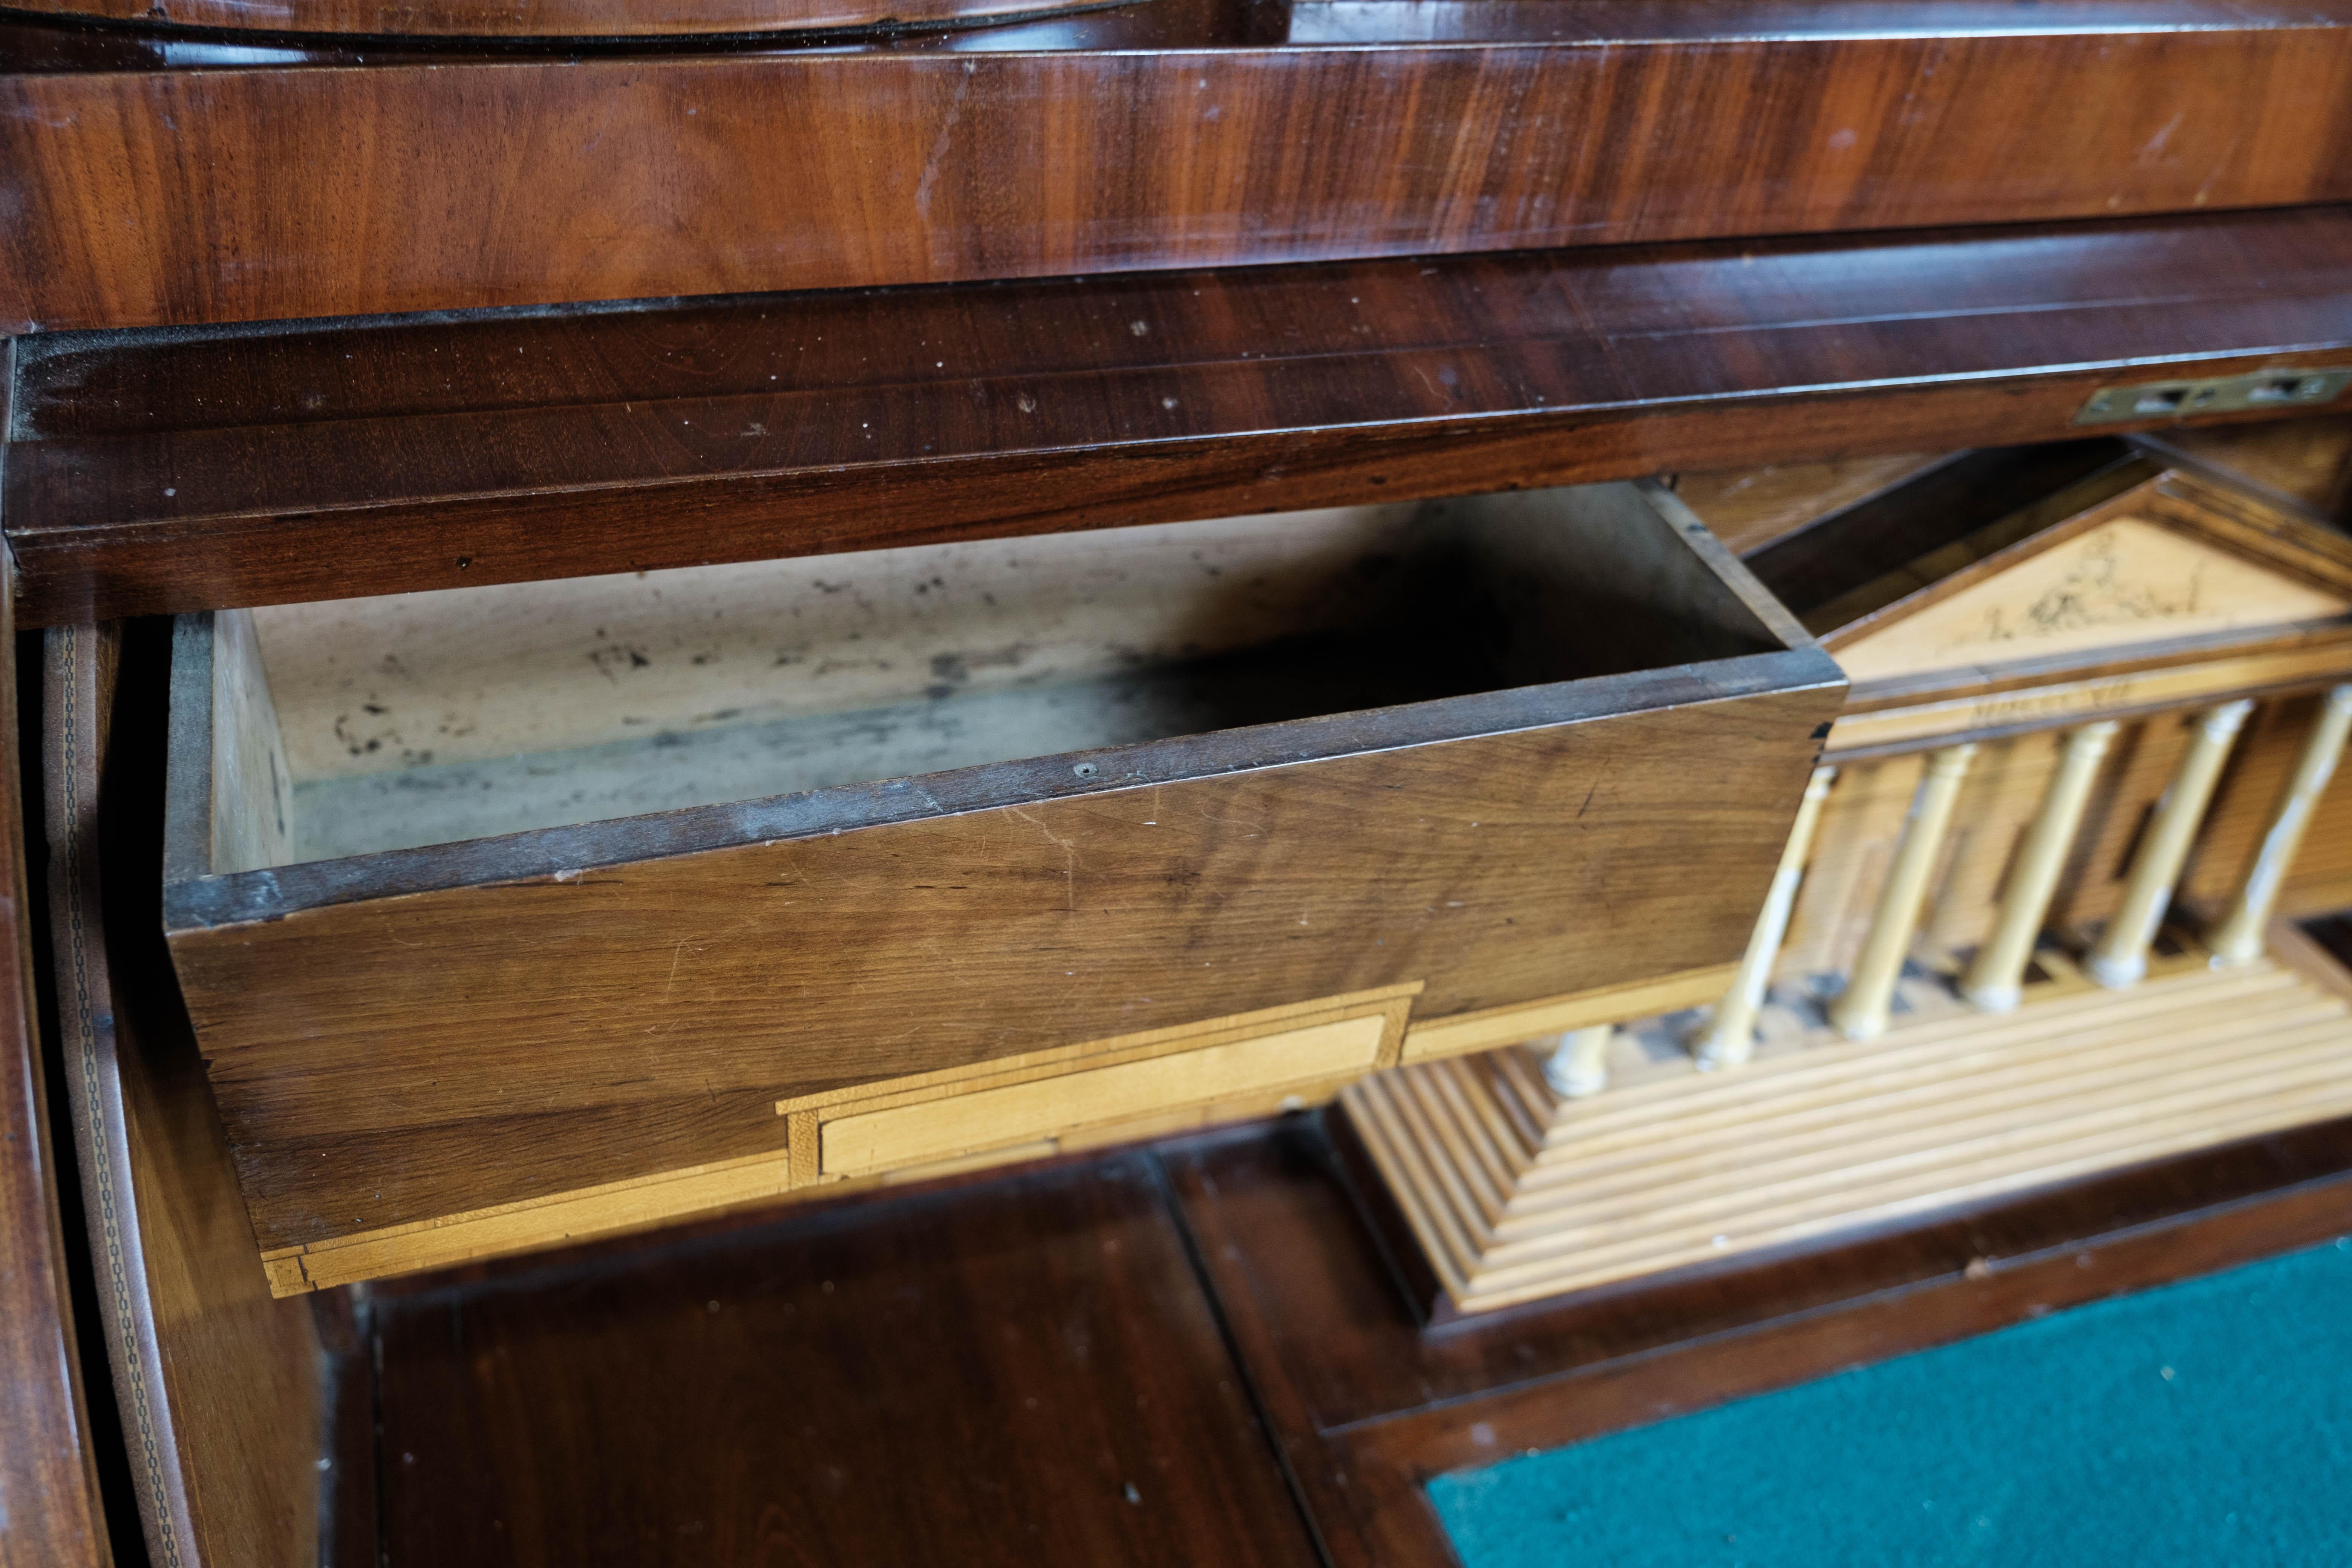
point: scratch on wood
(1069, 855)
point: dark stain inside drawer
(433, 718)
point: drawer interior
(351, 728)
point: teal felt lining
(2202, 1423)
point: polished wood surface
(782, 1390)
(1366, 1406)
(460, 20)
(1020, 1372)
(219, 1385)
(52, 1514)
(192, 471)
(398, 186)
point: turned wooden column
(1993, 978)
(1859, 1012)
(1579, 1064)
(2238, 937)
(1730, 1037)
(2120, 959)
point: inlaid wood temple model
(2028, 921)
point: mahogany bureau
(635, 619)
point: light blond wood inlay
(610, 1209)
(1516, 1193)
(1578, 1063)
(2120, 958)
(1994, 978)
(1150, 1078)
(2122, 582)
(1429, 1039)
(951, 1127)
(2240, 935)
(1730, 1039)
(2064, 701)
(1305, 1051)
(1861, 1011)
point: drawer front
(1036, 1104)
(385, 1061)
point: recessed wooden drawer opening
(500, 897)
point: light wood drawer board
(1779, 1173)
(1491, 1027)
(933, 1117)
(1311, 1050)
(944, 1129)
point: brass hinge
(2279, 389)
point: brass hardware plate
(2281, 389)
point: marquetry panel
(1514, 1194)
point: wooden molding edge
(1986, 715)
(1509, 1026)
(1318, 1035)
(607, 1209)
(791, 1171)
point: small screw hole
(1084, 770)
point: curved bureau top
(509, 19)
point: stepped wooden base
(1515, 1194)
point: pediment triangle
(2122, 582)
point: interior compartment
(353, 727)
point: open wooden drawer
(519, 913)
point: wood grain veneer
(398, 186)
(1019, 1372)
(166, 472)
(221, 1387)
(51, 1510)
(422, 1033)
(373, 21)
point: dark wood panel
(1366, 1406)
(177, 471)
(477, 19)
(219, 1385)
(1748, 509)
(51, 1512)
(1847, 549)
(177, 196)
(32, 43)
(2302, 465)
(1022, 1372)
